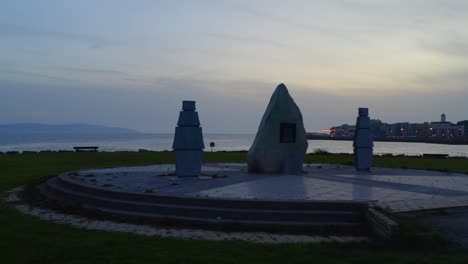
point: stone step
(292, 227)
(203, 211)
(329, 217)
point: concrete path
(411, 205)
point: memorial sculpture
(188, 142)
(363, 141)
(281, 141)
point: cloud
(36, 75)
(454, 47)
(37, 72)
(95, 71)
(224, 106)
(255, 40)
(451, 80)
(405, 60)
(277, 19)
(11, 30)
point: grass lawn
(25, 239)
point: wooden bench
(437, 156)
(86, 148)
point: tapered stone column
(188, 142)
(363, 141)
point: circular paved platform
(326, 197)
(319, 182)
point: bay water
(223, 142)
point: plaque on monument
(287, 133)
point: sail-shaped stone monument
(281, 141)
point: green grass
(459, 165)
(25, 239)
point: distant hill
(33, 128)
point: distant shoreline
(394, 139)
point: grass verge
(26, 239)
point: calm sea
(222, 142)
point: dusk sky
(131, 63)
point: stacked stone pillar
(188, 142)
(363, 141)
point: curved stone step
(328, 228)
(333, 217)
(203, 211)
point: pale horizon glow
(131, 63)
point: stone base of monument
(188, 162)
(325, 199)
(363, 158)
(292, 165)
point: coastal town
(441, 131)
